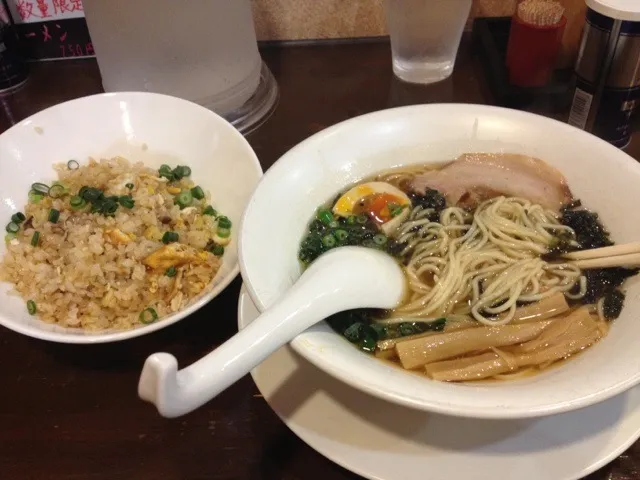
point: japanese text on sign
(35, 10)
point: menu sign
(51, 29)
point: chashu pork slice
(474, 177)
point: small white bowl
(151, 128)
(605, 178)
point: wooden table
(72, 412)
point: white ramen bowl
(605, 178)
(151, 128)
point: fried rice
(99, 271)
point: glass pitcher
(203, 51)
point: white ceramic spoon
(342, 279)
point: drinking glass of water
(425, 36)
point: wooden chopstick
(625, 255)
(629, 260)
(613, 251)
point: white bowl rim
(116, 336)
(319, 360)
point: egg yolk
(379, 207)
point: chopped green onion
(223, 232)
(341, 235)
(126, 201)
(35, 197)
(12, 227)
(18, 217)
(171, 272)
(184, 199)
(148, 315)
(90, 194)
(325, 216)
(77, 202)
(31, 307)
(170, 237)
(362, 219)
(329, 241)
(379, 239)
(177, 173)
(197, 192)
(209, 210)
(57, 191)
(181, 171)
(217, 250)
(395, 209)
(165, 171)
(351, 219)
(35, 239)
(110, 205)
(73, 165)
(54, 215)
(224, 222)
(40, 188)
(9, 236)
(334, 224)
(106, 206)
(130, 186)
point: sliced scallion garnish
(197, 193)
(184, 199)
(341, 234)
(18, 218)
(126, 201)
(171, 272)
(170, 237)
(379, 239)
(224, 222)
(90, 194)
(329, 241)
(181, 171)
(58, 190)
(209, 210)
(31, 307)
(54, 215)
(35, 239)
(148, 315)
(35, 197)
(325, 216)
(40, 188)
(77, 202)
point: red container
(532, 52)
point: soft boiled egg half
(384, 203)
